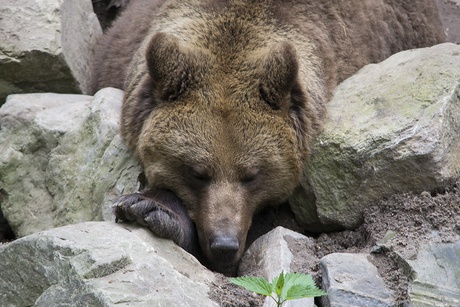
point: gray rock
(45, 45)
(352, 280)
(100, 264)
(269, 255)
(393, 127)
(437, 276)
(64, 161)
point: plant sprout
(287, 286)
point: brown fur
(223, 99)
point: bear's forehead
(225, 117)
(213, 134)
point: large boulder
(64, 161)
(45, 45)
(393, 127)
(101, 264)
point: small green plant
(286, 287)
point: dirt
(411, 220)
(230, 295)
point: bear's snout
(223, 243)
(224, 247)
(224, 252)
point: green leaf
(254, 284)
(297, 278)
(300, 291)
(298, 286)
(287, 286)
(278, 283)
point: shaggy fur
(223, 99)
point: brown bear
(224, 98)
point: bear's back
(344, 35)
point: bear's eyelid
(250, 176)
(199, 173)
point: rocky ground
(404, 221)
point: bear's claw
(161, 212)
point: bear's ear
(172, 66)
(279, 73)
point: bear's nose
(225, 246)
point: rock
(64, 161)
(45, 45)
(449, 11)
(100, 264)
(352, 280)
(437, 276)
(270, 254)
(392, 128)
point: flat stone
(437, 276)
(352, 280)
(100, 264)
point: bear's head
(228, 133)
